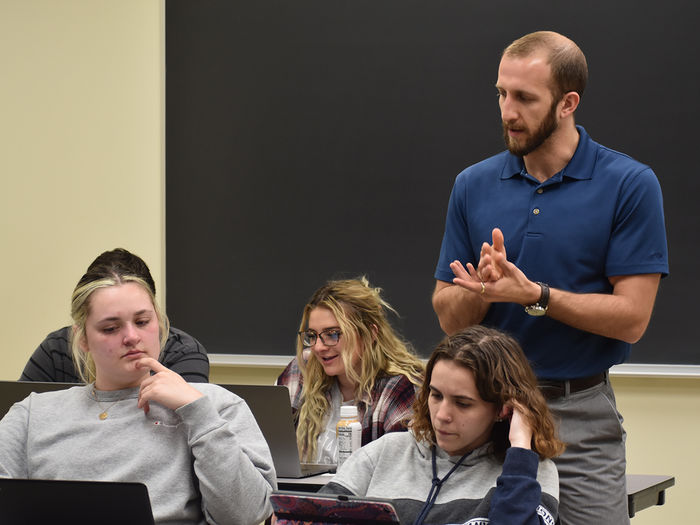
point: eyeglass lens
(328, 337)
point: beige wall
(81, 91)
(81, 161)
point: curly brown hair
(502, 374)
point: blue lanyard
(435, 488)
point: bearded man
(586, 240)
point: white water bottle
(348, 432)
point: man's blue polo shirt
(601, 216)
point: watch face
(535, 310)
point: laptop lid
(30, 501)
(272, 408)
(331, 509)
(13, 391)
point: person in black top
(52, 361)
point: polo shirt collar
(580, 166)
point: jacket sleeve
(232, 461)
(185, 355)
(292, 378)
(52, 360)
(391, 409)
(355, 475)
(518, 498)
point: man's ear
(569, 104)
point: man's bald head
(567, 61)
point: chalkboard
(318, 139)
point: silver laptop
(272, 409)
(270, 406)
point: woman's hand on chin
(164, 386)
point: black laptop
(12, 392)
(33, 501)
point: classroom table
(646, 490)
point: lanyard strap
(435, 488)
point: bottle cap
(348, 411)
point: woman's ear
(504, 413)
(82, 339)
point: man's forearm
(457, 308)
(620, 315)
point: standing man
(586, 247)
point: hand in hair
(520, 434)
(165, 387)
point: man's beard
(543, 132)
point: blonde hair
(80, 309)
(361, 315)
(502, 373)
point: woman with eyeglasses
(479, 447)
(348, 353)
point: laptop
(331, 509)
(269, 404)
(272, 408)
(31, 501)
(12, 392)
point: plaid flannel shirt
(388, 410)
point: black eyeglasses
(329, 337)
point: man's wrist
(534, 292)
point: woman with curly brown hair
(480, 446)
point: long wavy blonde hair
(361, 313)
(502, 373)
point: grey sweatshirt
(206, 462)
(522, 490)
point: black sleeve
(186, 356)
(52, 361)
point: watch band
(540, 307)
(544, 296)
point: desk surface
(643, 491)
